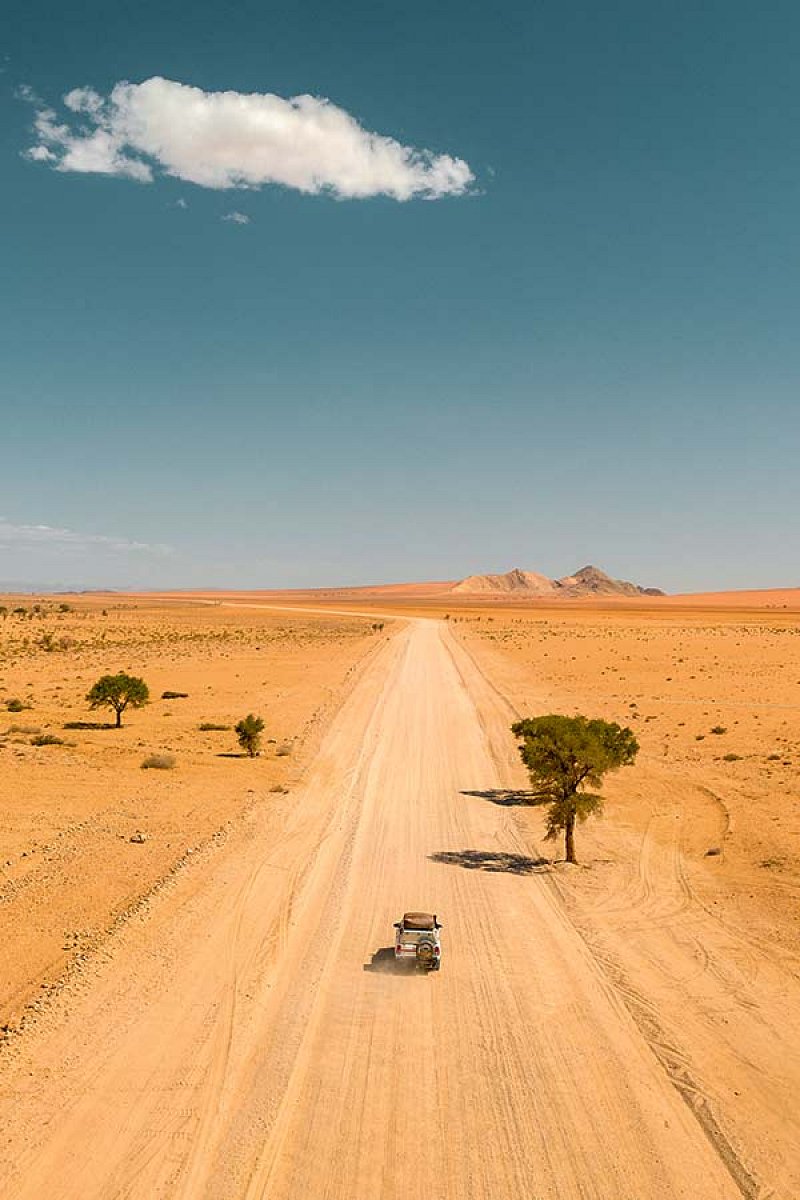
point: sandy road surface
(236, 1046)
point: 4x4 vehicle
(417, 941)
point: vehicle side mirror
(397, 924)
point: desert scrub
(212, 727)
(174, 695)
(47, 739)
(158, 762)
(16, 705)
(249, 731)
(283, 749)
(731, 757)
(719, 729)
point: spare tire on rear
(425, 952)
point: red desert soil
(625, 1029)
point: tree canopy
(565, 757)
(118, 692)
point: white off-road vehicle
(417, 941)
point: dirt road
(248, 1039)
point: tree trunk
(569, 839)
(119, 717)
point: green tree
(249, 731)
(118, 692)
(566, 756)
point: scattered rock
(138, 837)
(713, 851)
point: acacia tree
(118, 692)
(566, 756)
(249, 731)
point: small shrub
(212, 727)
(283, 750)
(731, 757)
(773, 758)
(158, 762)
(249, 731)
(719, 729)
(47, 739)
(174, 695)
(16, 705)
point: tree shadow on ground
(236, 754)
(491, 860)
(505, 796)
(90, 725)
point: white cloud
(238, 218)
(40, 536)
(236, 140)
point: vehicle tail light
(437, 950)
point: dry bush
(158, 762)
(47, 739)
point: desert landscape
(195, 992)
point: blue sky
(578, 343)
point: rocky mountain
(588, 581)
(513, 582)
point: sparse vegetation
(47, 739)
(249, 731)
(158, 762)
(283, 749)
(731, 757)
(564, 755)
(212, 727)
(719, 729)
(174, 695)
(15, 705)
(118, 692)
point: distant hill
(513, 582)
(588, 581)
